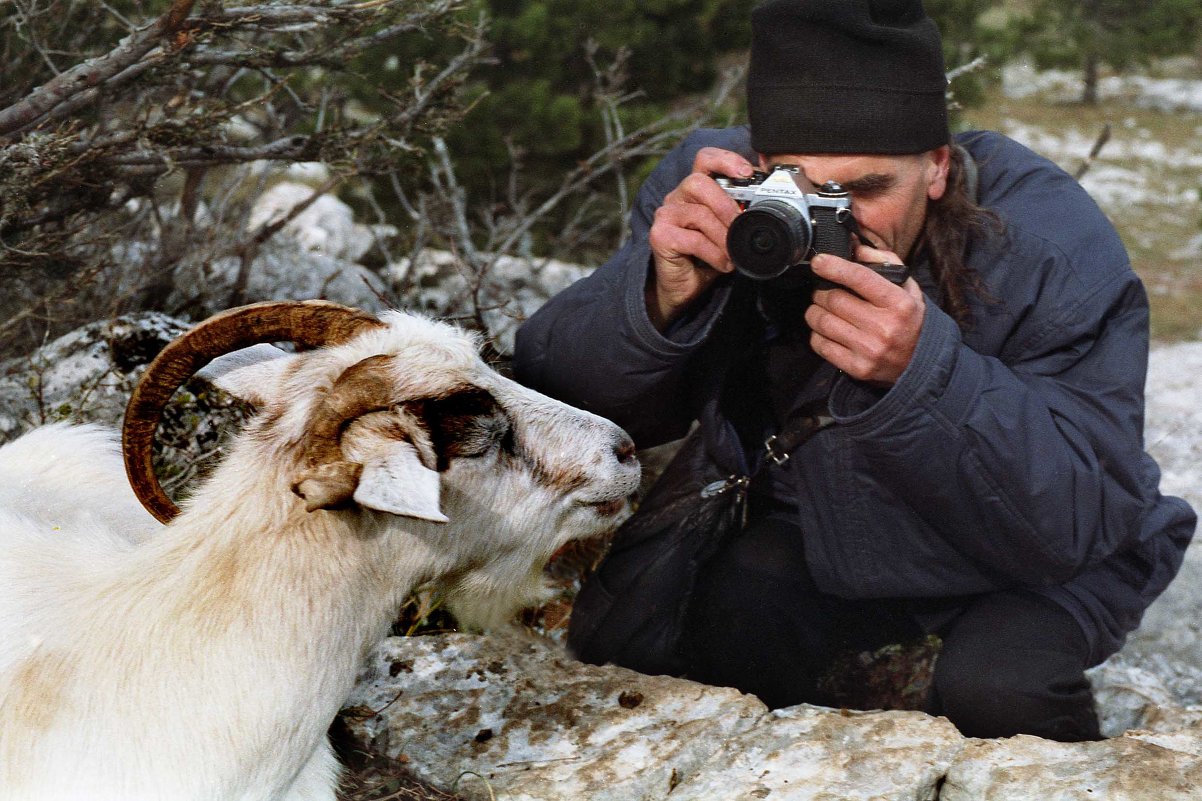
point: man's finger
(715, 161)
(684, 243)
(871, 255)
(832, 326)
(875, 289)
(692, 217)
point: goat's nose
(624, 449)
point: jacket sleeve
(1030, 462)
(593, 345)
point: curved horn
(310, 323)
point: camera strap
(779, 447)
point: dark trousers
(1011, 662)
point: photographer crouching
(917, 363)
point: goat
(206, 659)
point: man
(983, 476)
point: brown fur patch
(37, 693)
(562, 480)
(218, 594)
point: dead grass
(372, 776)
(1148, 179)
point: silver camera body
(785, 222)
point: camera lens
(767, 239)
(763, 241)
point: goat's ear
(394, 480)
(250, 374)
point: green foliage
(541, 95)
(1118, 33)
(673, 43)
(966, 37)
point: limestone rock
(1165, 654)
(1172, 719)
(327, 225)
(504, 289)
(283, 270)
(1024, 768)
(1178, 729)
(1174, 417)
(806, 753)
(1125, 693)
(85, 375)
(512, 714)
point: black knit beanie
(846, 76)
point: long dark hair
(953, 222)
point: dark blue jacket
(1007, 455)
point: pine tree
(1087, 34)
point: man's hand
(868, 327)
(688, 236)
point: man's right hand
(688, 235)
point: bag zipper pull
(725, 485)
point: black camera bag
(631, 611)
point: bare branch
(499, 234)
(608, 83)
(964, 69)
(93, 72)
(101, 147)
(1099, 143)
(646, 141)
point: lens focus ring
(768, 238)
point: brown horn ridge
(309, 323)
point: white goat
(206, 661)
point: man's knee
(1024, 674)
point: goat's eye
(467, 424)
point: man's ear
(939, 160)
(394, 480)
(251, 374)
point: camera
(786, 221)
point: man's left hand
(867, 327)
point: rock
(1174, 417)
(1024, 768)
(314, 255)
(87, 376)
(507, 290)
(514, 716)
(326, 226)
(510, 716)
(1174, 728)
(1161, 664)
(807, 752)
(1125, 694)
(282, 270)
(1162, 720)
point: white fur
(204, 660)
